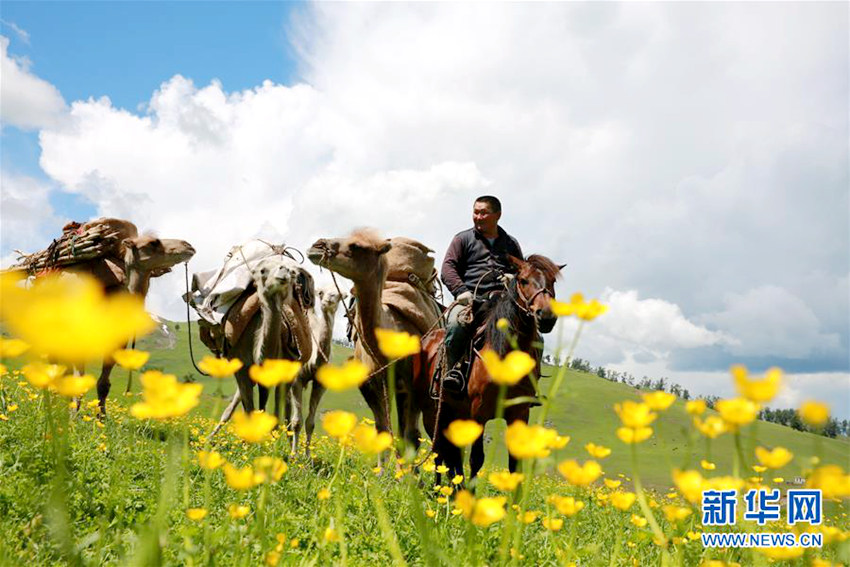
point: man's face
(484, 219)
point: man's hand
(464, 298)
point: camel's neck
(369, 308)
(138, 282)
(267, 341)
(324, 325)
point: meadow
(130, 490)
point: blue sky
(125, 50)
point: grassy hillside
(583, 410)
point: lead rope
(189, 321)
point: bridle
(525, 306)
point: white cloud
(26, 101)
(22, 34)
(643, 144)
(28, 216)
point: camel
(130, 268)
(321, 327)
(362, 258)
(269, 334)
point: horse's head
(535, 285)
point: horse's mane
(506, 306)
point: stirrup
(454, 381)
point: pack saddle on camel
(255, 308)
(112, 251)
(394, 287)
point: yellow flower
(781, 552)
(775, 459)
(255, 427)
(371, 442)
(339, 423)
(238, 511)
(465, 502)
(712, 427)
(70, 318)
(339, 378)
(707, 465)
(757, 390)
(43, 375)
(12, 348)
(612, 484)
(723, 483)
(242, 479)
(130, 359)
(430, 513)
(331, 535)
(676, 513)
(196, 514)
(635, 415)
(831, 480)
(164, 397)
(442, 469)
(463, 432)
(397, 344)
(695, 407)
(71, 386)
(597, 451)
(488, 511)
(219, 367)
(506, 481)
(553, 524)
(528, 517)
(639, 521)
(272, 468)
(578, 307)
(658, 401)
(690, 484)
(628, 435)
(503, 325)
(515, 366)
(737, 412)
(457, 479)
(580, 475)
(526, 441)
(567, 505)
(210, 460)
(815, 414)
(623, 500)
(274, 371)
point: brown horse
(525, 305)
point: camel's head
(154, 255)
(329, 299)
(273, 278)
(358, 256)
(535, 286)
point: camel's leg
(316, 393)
(294, 409)
(264, 397)
(79, 370)
(410, 421)
(228, 411)
(373, 394)
(281, 402)
(246, 391)
(103, 385)
(476, 457)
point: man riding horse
(473, 269)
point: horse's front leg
(103, 385)
(476, 457)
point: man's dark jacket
(470, 256)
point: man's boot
(454, 380)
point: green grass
(75, 491)
(583, 410)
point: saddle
(464, 364)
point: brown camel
(130, 268)
(361, 258)
(321, 326)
